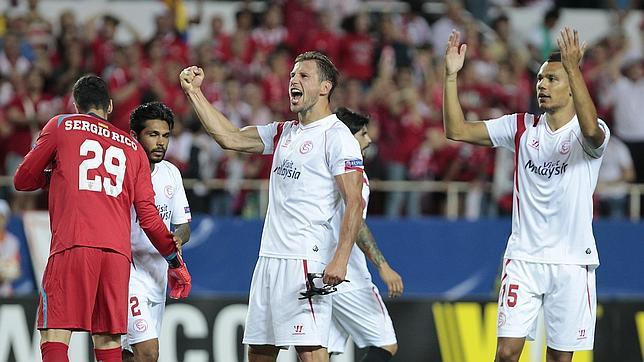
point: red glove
(179, 279)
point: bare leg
(312, 353)
(508, 349)
(55, 335)
(106, 341)
(262, 353)
(146, 351)
(552, 355)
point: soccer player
(95, 173)
(358, 310)
(317, 164)
(151, 124)
(551, 256)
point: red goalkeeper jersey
(98, 173)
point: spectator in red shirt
(25, 114)
(219, 40)
(357, 49)
(323, 38)
(269, 34)
(273, 82)
(102, 44)
(126, 87)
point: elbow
(22, 183)
(225, 141)
(453, 135)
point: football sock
(376, 354)
(54, 352)
(108, 355)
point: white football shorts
(144, 318)
(565, 291)
(361, 314)
(276, 316)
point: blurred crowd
(391, 67)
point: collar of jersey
(319, 122)
(565, 126)
(156, 168)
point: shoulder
(170, 169)
(339, 129)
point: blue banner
(438, 259)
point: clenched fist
(191, 78)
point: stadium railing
(451, 190)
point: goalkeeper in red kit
(95, 173)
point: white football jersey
(303, 195)
(555, 177)
(149, 269)
(357, 272)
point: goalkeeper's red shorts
(85, 289)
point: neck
(99, 112)
(559, 118)
(152, 165)
(314, 113)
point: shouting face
(305, 86)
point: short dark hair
(554, 57)
(90, 92)
(326, 68)
(148, 111)
(355, 121)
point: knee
(507, 354)
(263, 350)
(558, 356)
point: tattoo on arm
(367, 244)
(183, 232)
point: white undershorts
(144, 318)
(275, 314)
(566, 293)
(361, 314)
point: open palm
(455, 53)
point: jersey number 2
(98, 183)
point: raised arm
(367, 244)
(214, 122)
(571, 54)
(456, 128)
(350, 185)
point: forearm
(213, 121)
(29, 180)
(367, 244)
(349, 229)
(182, 232)
(453, 118)
(585, 108)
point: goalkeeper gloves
(178, 277)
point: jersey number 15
(98, 183)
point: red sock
(108, 355)
(54, 352)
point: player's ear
(325, 88)
(134, 135)
(110, 107)
(76, 108)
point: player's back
(92, 184)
